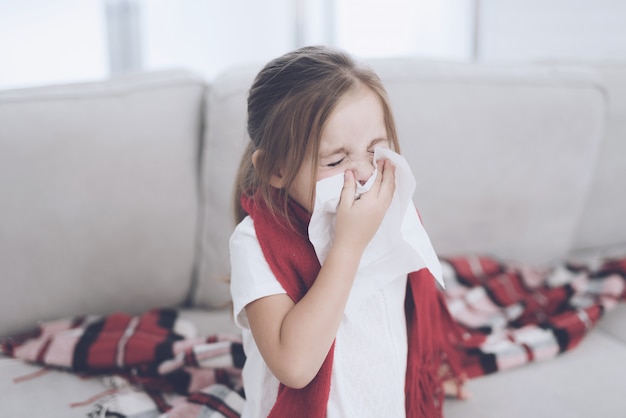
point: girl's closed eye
(336, 163)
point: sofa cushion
(99, 196)
(503, 155)
(224, 141)
(606, 201)
(614, 324)
(579, 384)
(49, 395)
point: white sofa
(116, 197)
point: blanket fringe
(94, 398)
(31, 376)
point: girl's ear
(276, 179)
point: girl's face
(354, 128)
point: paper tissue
(400, 246)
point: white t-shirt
(369, 367)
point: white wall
(526, 30)
(43, 41)
(440, 29)
(210, 35)
(60, 41)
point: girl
(314, 113)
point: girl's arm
(294, 339)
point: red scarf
(293, 261)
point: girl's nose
(363, 169)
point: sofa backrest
(602, 225)
(225, 139)
(503, 157)
(99, 196)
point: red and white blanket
(509, 315)
(514, 314)
(151, 363)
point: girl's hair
(288, 106)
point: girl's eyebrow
(330, 153)
(377, 141)
(342, 150)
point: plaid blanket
(513, 314)
(508, 315)
(151, 363)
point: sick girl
(315, 113)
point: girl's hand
(359, 219)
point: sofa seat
(581, 383)
(578, 384)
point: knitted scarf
(292, 259)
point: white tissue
(400, 246)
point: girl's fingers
(385, 183)
(381, 168)
(388, 180)
(348, 191)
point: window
(44, 42)
(441, 29)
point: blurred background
(61, 41)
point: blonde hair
(288, 105)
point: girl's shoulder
(250, 277)
(246, 226)
(244, 234)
